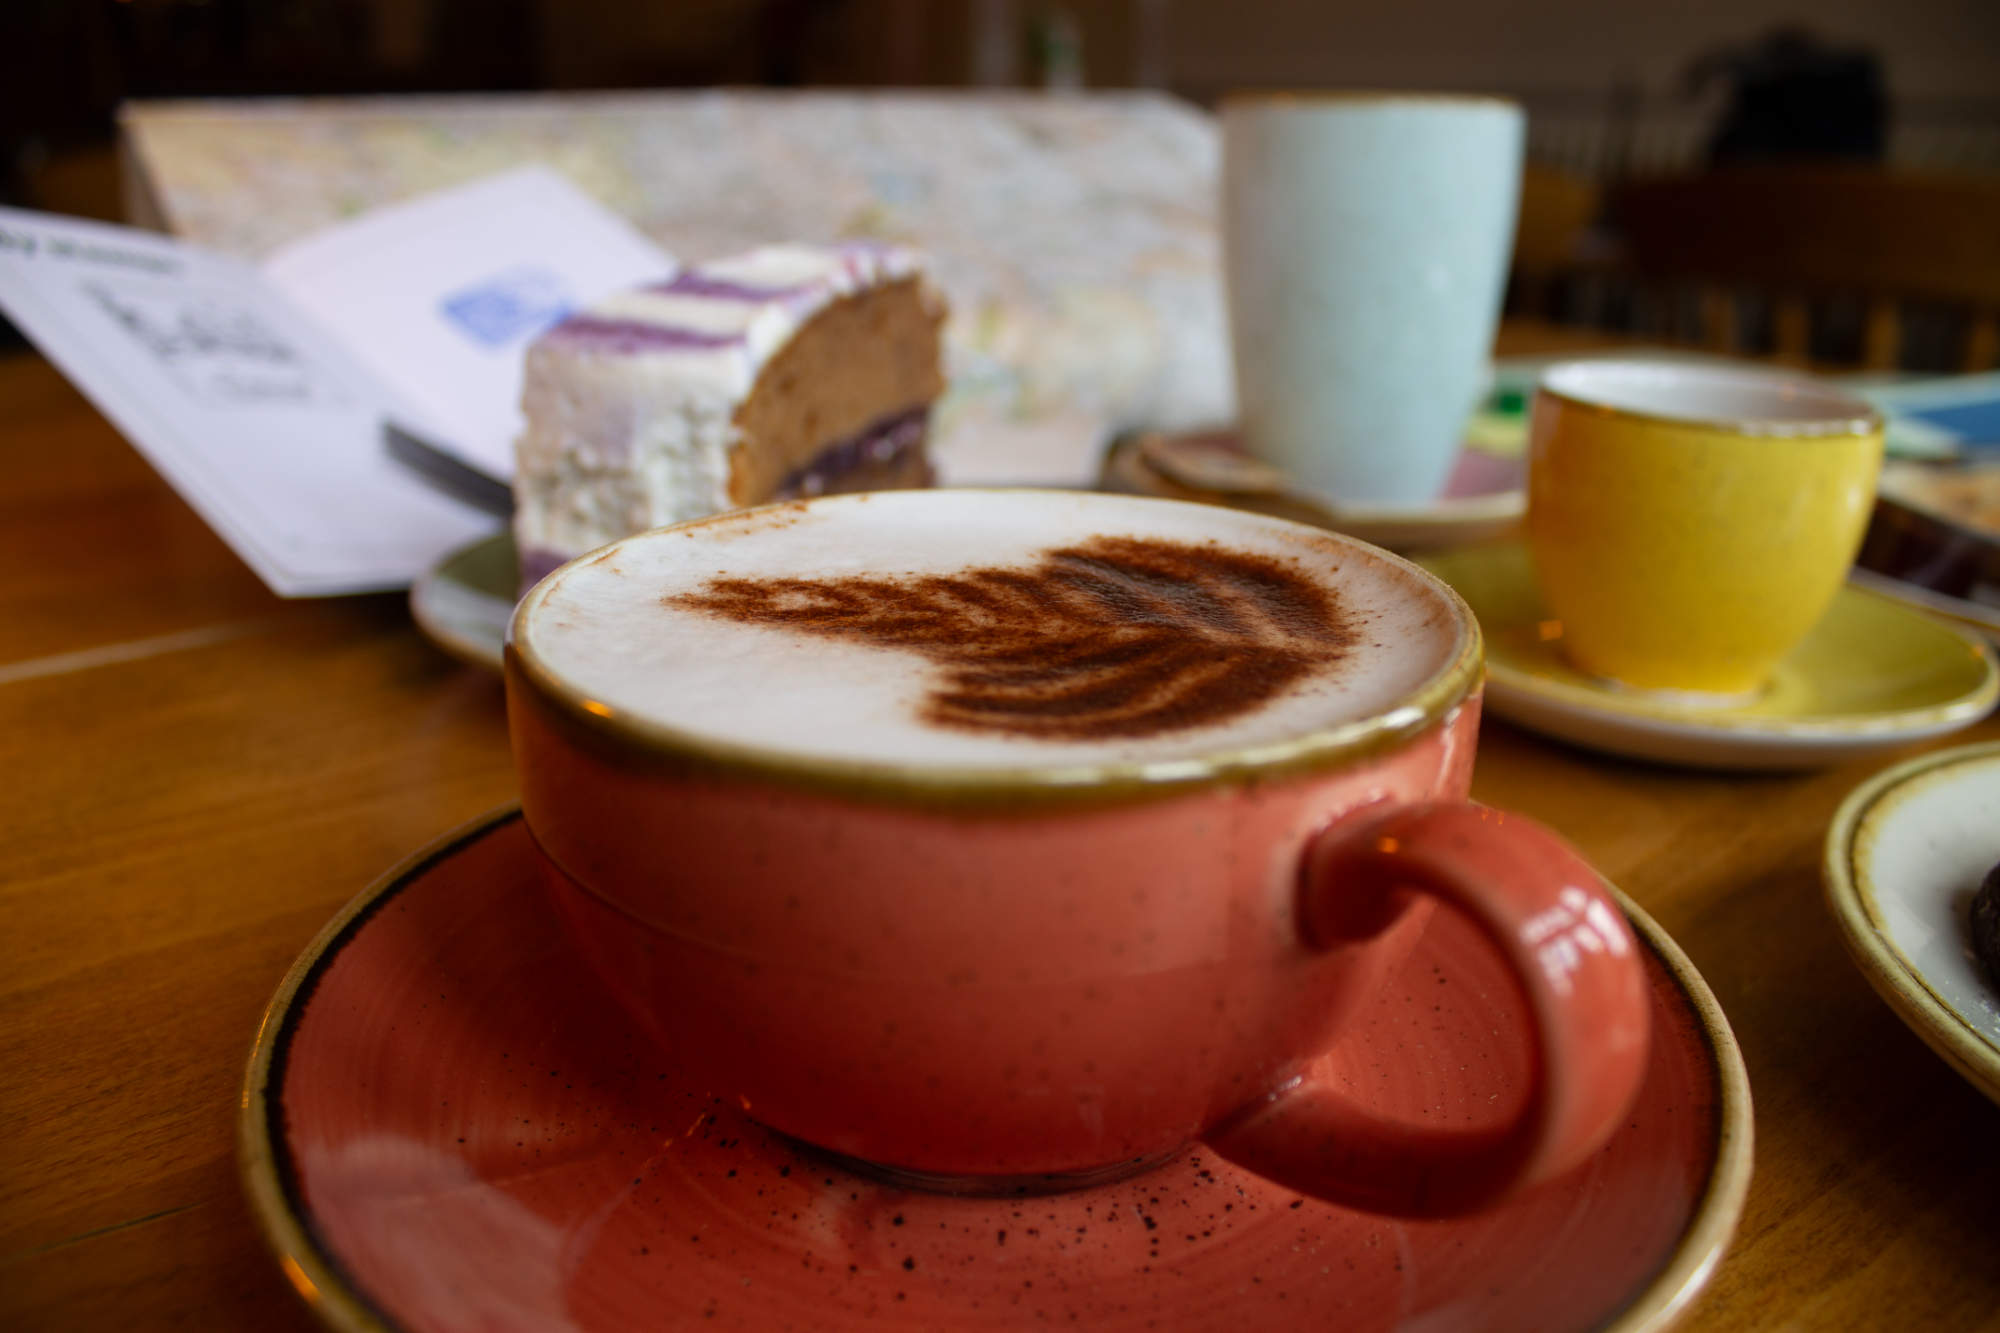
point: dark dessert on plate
(1986, 923)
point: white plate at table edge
(1917, 993)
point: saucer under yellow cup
(1872, 674)
(1690, 523)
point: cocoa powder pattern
(1112, 638)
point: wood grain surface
(197, 775)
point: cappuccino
(991, 630)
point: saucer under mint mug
(1007, 840)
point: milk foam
(626, 627)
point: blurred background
(1653, 126)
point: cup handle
(1573, 956)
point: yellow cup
(1688, 523)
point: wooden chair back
(1794, 234)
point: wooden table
(198, 774)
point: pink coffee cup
(1021, 976)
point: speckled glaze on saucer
(1903, 858)
(447, 1126)
(1874, 674)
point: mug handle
(1572, 954)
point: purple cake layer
(881, 444)
(624, 337)
(538, 563)
(693, 282)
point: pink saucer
(448, 1126)
(1484, 496)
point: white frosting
(798, 265)
(702, 313)
(627, 431)
(608, 626)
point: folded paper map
(1074, 234)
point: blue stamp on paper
(507, 307)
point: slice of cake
(791, 370)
